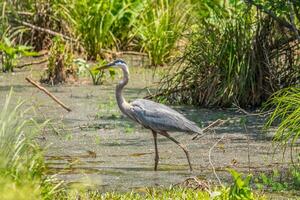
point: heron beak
(106, 66)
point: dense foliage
(22, 167)
(239, 54)
(99, 27)
(287, 112)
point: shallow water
(96, 145)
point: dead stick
(218, 122)
(210, 162)
(32, 63)
(44, 30)
(48, 93)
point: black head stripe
(120, 61)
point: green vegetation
(240, 188)
(227, 51)
(276, 180)
(101, 27)
(287, 113)
(215, 53)
(98, 76)
(161, 27)
(101, 24)
(11, 53)
(237, 54)
(60, 66)
(153, 194)
(22, 168)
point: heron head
(115, 64)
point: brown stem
(31, 63)
(271, 14)
(44, 30)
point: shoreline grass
(22, 166)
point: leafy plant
(272, 182)
(296, 177)
(34, 22)
(240, 189)
(279, 180)
(98, 76)
(11, 53)
(60, 66)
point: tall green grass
(22, 167)
(163, 193)
(102, 27)
(160, 28)
(286, 115)
(232, 58)
(102, 24)
(154, 27)
(215, 68)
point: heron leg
(181, 146)
(156, 150)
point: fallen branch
(32, 63)
(280, 21)
(45, 30)
(210, 162)
(214, 124)
(252, 114)
(48, 93)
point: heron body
(160, 119)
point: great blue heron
(159, 118)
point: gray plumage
(160, 119)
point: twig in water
(48, 93)
(252, 114)
(248, 143)
(32, 63)
(218, 122)
(210, 162)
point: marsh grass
(234, 57)
(154, 194)
(101, 24)
(99, 28)
(286, 115)
(160, 27)
(215, 68)
(22, 167)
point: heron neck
(122, 103)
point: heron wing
(160, 117)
